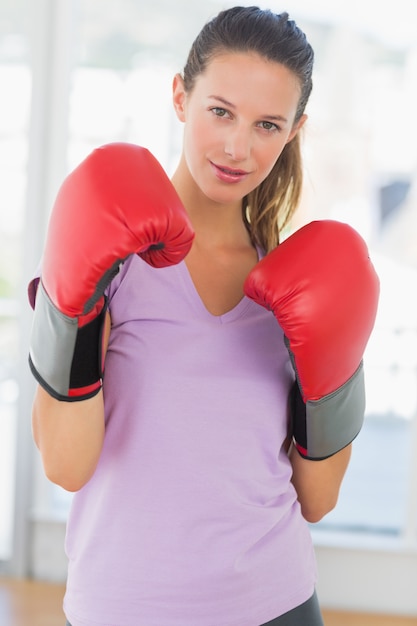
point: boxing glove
(323, 290)
(116, 203)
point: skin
(237, 120)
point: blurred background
(75, 74)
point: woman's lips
(228, 174)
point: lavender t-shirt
(190, 518)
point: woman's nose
(238, 143)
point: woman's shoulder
(135, 278)
(127, 270)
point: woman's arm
(69, 435)
(318, 482)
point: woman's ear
(297, 127)
(178, 97)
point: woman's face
(238, 118)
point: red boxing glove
(323, 290)
(117, 202)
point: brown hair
(268, 208)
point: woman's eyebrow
(224, 101)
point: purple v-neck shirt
(190, 518)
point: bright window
(14, 113)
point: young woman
(192, 501)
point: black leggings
(307, 614)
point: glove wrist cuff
(65, 358)
(323, 427)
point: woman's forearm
(69, 436)
(318, 482)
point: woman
(192, 506)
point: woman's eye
(270, 126)
(219, 112)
